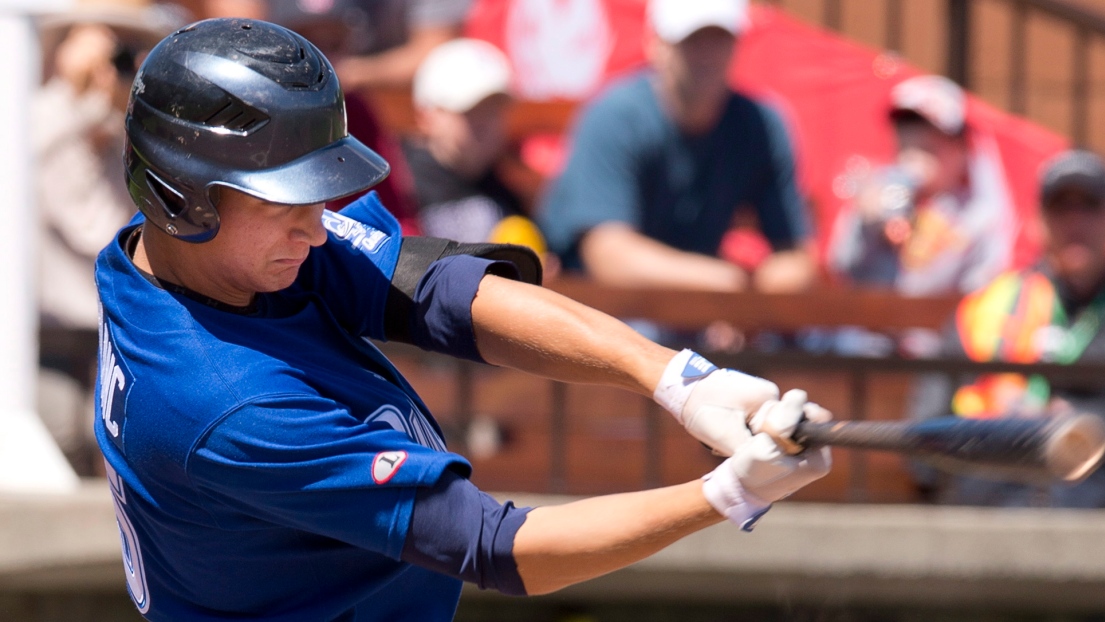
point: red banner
(833, 93)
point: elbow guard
(417, 254)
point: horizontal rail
(873, 309)
(1089, 373)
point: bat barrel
(1075, 447)
(1068, 448)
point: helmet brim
(337, 170)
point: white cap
(675, 20)
(459, 74)
(939, 100)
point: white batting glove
(762, 471)
(712, 404)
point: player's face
(260, 246)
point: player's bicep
(459, 531)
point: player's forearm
(615, 254)
(558, 546)
(541, 332)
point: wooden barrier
(879, 310)
(587, 440)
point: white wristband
(678, 380)
(725, 494)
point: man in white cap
(461, 93)
(938, 220)
(665, 161)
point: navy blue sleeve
(459, 531)
(781, 210)
(442, 313)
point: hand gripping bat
(1067, 448)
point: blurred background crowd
(706, 145)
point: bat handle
(813, 434)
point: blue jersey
(265, 464)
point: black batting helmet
(242, 104)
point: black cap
(1072, 168)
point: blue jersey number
(132, 552)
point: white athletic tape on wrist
(678, 380)
(725, 494)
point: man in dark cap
(1050, 313)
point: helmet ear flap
(171, 200)
(175, 216)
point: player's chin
(280, 277)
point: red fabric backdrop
(833, 93)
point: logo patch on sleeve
(386, 464)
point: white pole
(30, 460)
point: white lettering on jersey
(358, 234)
(132, 552)
(386, 464)
(113, 382)
(414, 425)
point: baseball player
(267, 461)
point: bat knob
(1075, 447)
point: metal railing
(1083, 26)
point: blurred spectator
(388, 39)
(92, 54)
(665, 161)
(341, 28)
(204, 9)
(939, 219)
(1052, 312)
(461, 93)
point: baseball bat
(1068, 448)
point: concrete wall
(59, 560)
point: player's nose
(309, 225)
